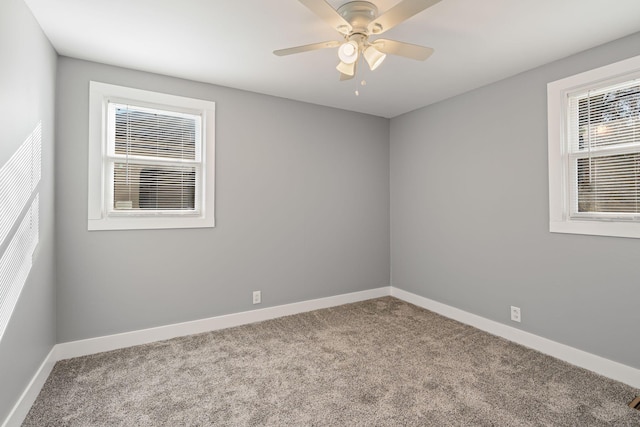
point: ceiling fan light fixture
(373, 57)
(348, 52)
(347, 69)
(356, 21)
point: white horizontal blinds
(16, 261)
(18, 179)
(604, 151)
(154, 187)
(154, 133)
(156, 159)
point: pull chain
(362, 83)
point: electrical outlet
(515, 314)
(257, 297)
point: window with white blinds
(604, 152)
(151, 159)
(594, 151)
(154, 160)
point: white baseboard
(113, 342)
(597, 364)
(600, 365)
(21, 408)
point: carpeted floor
(380, 362)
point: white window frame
(559, 164)
(99, 185)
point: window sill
(149, 223)
(597, 228)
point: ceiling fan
(356, 21)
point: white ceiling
(230, 43)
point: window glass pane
(610, 118)
(609, 184)
(154, 133)
(138, 186)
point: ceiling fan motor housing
(359, 15)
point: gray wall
(302, 212)
(27, 83)
(302, 198)
(470, 217)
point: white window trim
(99, 94)
(559, 221)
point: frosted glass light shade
(348, 52)
(348, 69)
(373, 57)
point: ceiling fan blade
(344, 77)
(397, 14)
(328, 14)
(408, 50)
(306, 48)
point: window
(151, 160)
(594, 151)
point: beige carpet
(381, 362)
